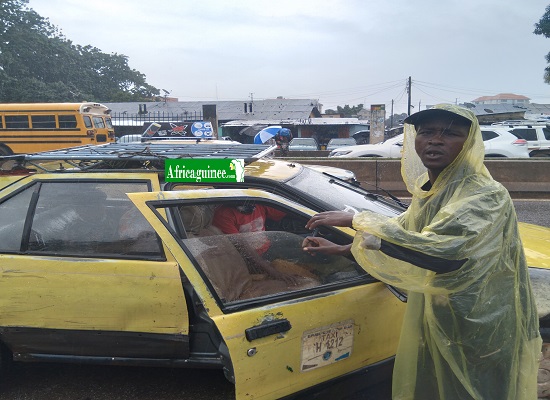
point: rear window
(526, 133)
(78, 219)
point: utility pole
(409, 100)
(391, 115)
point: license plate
(327, 345)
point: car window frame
(170, 206)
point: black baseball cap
(458, 114)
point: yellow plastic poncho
(471, 333)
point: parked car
(340, 142)
(502, 143)
(537, 136)
(388, 148)
(303, 144)
(129, 139)
(499, 142)
(103, 261)
(108, 263)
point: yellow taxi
(103, 261)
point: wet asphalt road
(78, 382)
(533, 211)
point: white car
(340, 142)
(537, 136)
(497, 140)
(129, 139)
(389, 148)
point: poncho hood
(469, 161)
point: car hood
(536, 242)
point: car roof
(148, 158)
(132, 155)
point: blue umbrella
(265, 134)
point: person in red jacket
(247, 218)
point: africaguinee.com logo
(204, 170)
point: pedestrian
(282, 139)
(470, 329)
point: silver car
(303, 144)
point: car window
(526, 133)
(91, 219)
(69, 121)
(13, 212)
(43, 121)
(17, 121)
(88, 121)
(254, 263)
(99, 122)
(488, 135)
(546, 132)
(517, 135)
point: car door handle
(267, 328)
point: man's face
(438, 142)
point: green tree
(38, 64)
(543, 28)
(345, 111)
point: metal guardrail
(524, 178)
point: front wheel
(6, 359)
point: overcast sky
(339, 52)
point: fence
(132, 124)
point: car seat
(224, 266)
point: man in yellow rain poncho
(471, 329)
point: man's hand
(330, 218)
(314, 245)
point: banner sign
(204, 170)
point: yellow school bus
(34, 127)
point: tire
(6, 359)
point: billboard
(175, 130)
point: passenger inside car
(235, 275)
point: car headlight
(338, 153)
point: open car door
(282, 337)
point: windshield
(339, 195)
